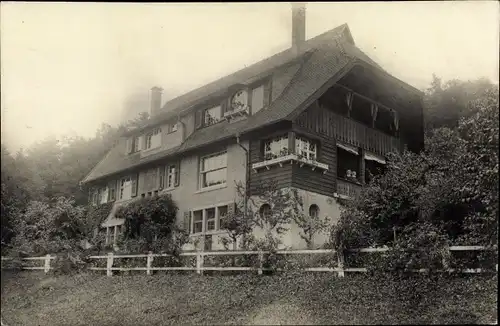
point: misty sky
(67, 67)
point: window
(372, 169)
(347, 163)
(208, 219)
(212, 115)
(361, 110)
(239, 101)
(150, 180)
(257, 98)
(213, 170)
(171, 176)
(125, 188)
(172, 127)
(222, 215)
(314, 211)
(95, 197)
(153, 139)
(112, 191)
(265, 211)
(305, 148)
(276, 147)
(198, 221)
(103, 192)
(136, 144)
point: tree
(50, 227)
(446, 103)
(310, 226)
(445, 194)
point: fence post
(199, 263)
(446, 258)
(150, 260)
(261, 260)
(109, 264)
(46, 267)
(340, 266)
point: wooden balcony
(347, 189)
(360, 135)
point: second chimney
(155, 105)
(298, 26)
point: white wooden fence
(340, 269)
(46, 262)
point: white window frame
(170, 177)
(215, 120)
(204, 220)
(153, 135)
(121, 191)
(136, 144)
(281, 141)
(203, 172)
(214, 219)
(220, 217)
(193, 222)
(103, 195)
(172, 127)
(303, 147)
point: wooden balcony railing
(347, 189)
(360, 135)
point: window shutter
(129, 145)
(187, 222)
(177, 173)
(161, 177)
(134, 185)
(118, 187)
(267, 93)
(224, 107)
(198, 119)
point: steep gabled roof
(324, 59)
(264, 67)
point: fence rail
(340, 269)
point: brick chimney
(155, 106)
(298, 26)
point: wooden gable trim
(391, 78)
(320, 91)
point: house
(315, 117)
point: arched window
(314, 211)
(265, 211)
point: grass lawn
(31, 298)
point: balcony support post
(361, 165)
(291, 142)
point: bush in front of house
(150, 225)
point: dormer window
(238, 104)
(153, 139)
(136, 144)
(239, 101)
(212, 115)
(172, 127)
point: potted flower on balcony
(351, 176)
